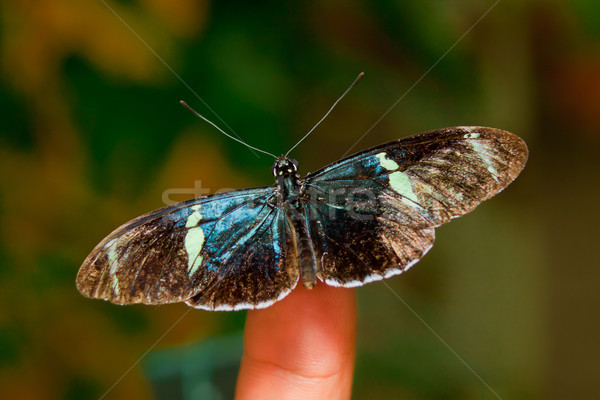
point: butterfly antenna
(183, 103)
(358, 78)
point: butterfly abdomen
(304, 246)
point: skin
(301, 347)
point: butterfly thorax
(286, 175)
(290, 197)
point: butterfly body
(291, 196)
(364, 218)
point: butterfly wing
(221, 252)
(372, 215)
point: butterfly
(364, 218)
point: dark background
(91, 135)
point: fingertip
(303, 344)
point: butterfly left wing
(372, 215)
(221, 252)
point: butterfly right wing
(372, 215)
(221, 252)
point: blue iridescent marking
(242, 225)
(276, 246)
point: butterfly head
(284, 166)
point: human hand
(301, 347)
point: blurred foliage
(91, 134)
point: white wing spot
(400, 182)
(372, 278)
(194, 240)
(202, 307)
(112, 260)
(413, 262)
(224, 307)
(112, 253)
(242, 306)
(391, 272)
(194, 217)
(474, 135)
(386, 163)
(349, 284)
(481, 151)
(263, 304)
(333, 282)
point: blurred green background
(91, 135)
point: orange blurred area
(92, 135)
